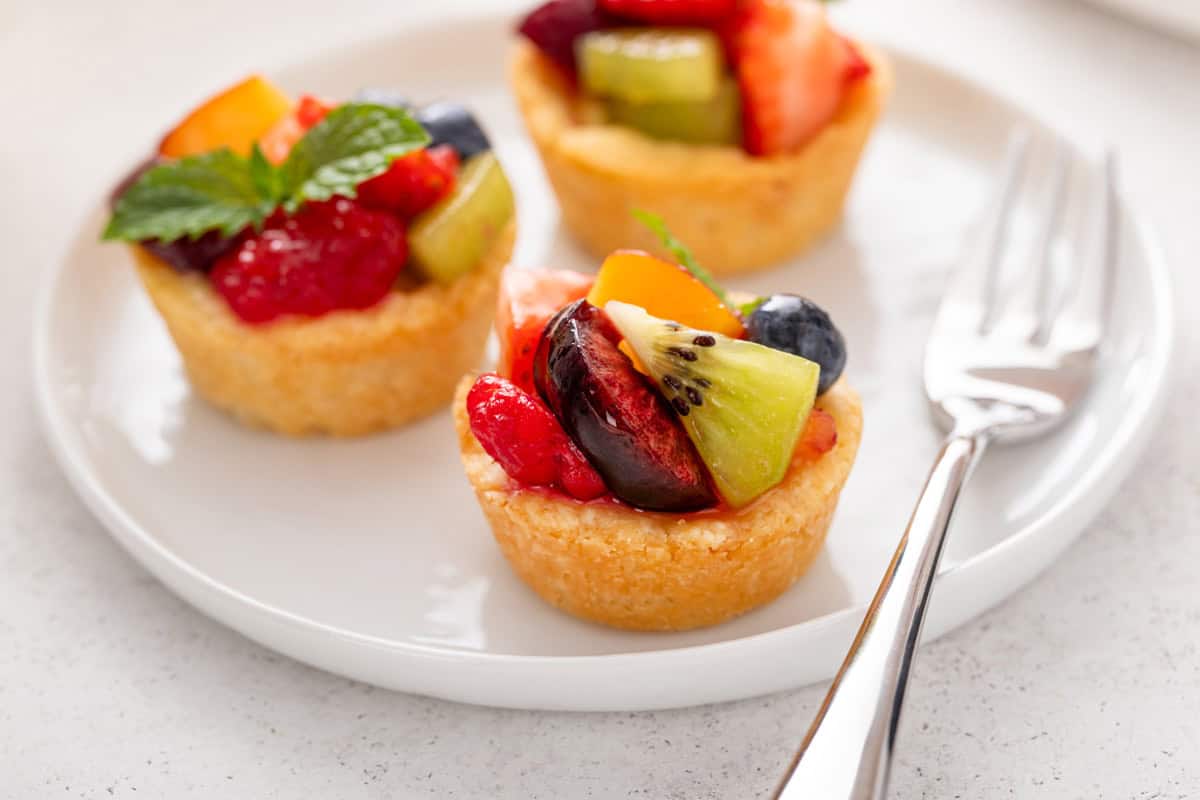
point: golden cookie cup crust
(737, 213)
(655, 571)
(346, 373)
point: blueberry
(449, 123)
(797, 325)
(382, 97)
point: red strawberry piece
(792, 70)
(857, 67)
(554, 26)
(521, 434)
(277, 142)
(327, 256)
(819, 435)
(412, 183)
(671, 12)
(311, 110)
(528, 299)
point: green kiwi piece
(450, 238)
(743, 405)
(651, 65)
(716, 121)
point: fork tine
(1080, 323)
(1027, 314)
(971, 296)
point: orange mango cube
(235, 118)
(665, 290)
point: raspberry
(517, 430)
(412, 183)
(555, 25)
(671, 12)
(329, 255)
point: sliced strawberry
(528, 299)
(412, 183)
(819, 435)
(857, 67)
(792, 69)
(671, 12)
(277, 142)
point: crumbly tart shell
(737, 213)
(654, 571)
(347, 373)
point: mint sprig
(224, 191)
(353, 143)
(680, 250)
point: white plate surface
(371, 559)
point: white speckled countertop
(1084, 685)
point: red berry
(819, 434)
(856, 65)
(311, 110)
(412, 183)
(528, 299)
(579, 478)
(792, 68)
(671, 12)
(517, 430)
(554, 26)
(327, 256)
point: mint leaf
(213, 191)
(223, 191)
(748, 308)
(681, 252)
(353, 143)
(267, 179)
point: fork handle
(848, 750)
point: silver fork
(994, 372)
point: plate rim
(204, 591)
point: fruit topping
(671, 12)
(554, 27)
(623, 426)
(664, 289)
(857, 67)
(277, 143)
(717, 121)
(819, 436)
(329, 255)
(223, 191)
(528, 299)
(235, 118)
(521, 434)
(742, 404)
(450, 238)
(454, 125)
(186, 254)
(412, 183)
(792, 68)
(651, 65)
(799, 326)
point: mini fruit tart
(650, 455)
(741, 122)
(322, 267)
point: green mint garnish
(226, 192)
(748, 308)
(680, 250)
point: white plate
(371, 559)
(1182, 19)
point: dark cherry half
(620, 422)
